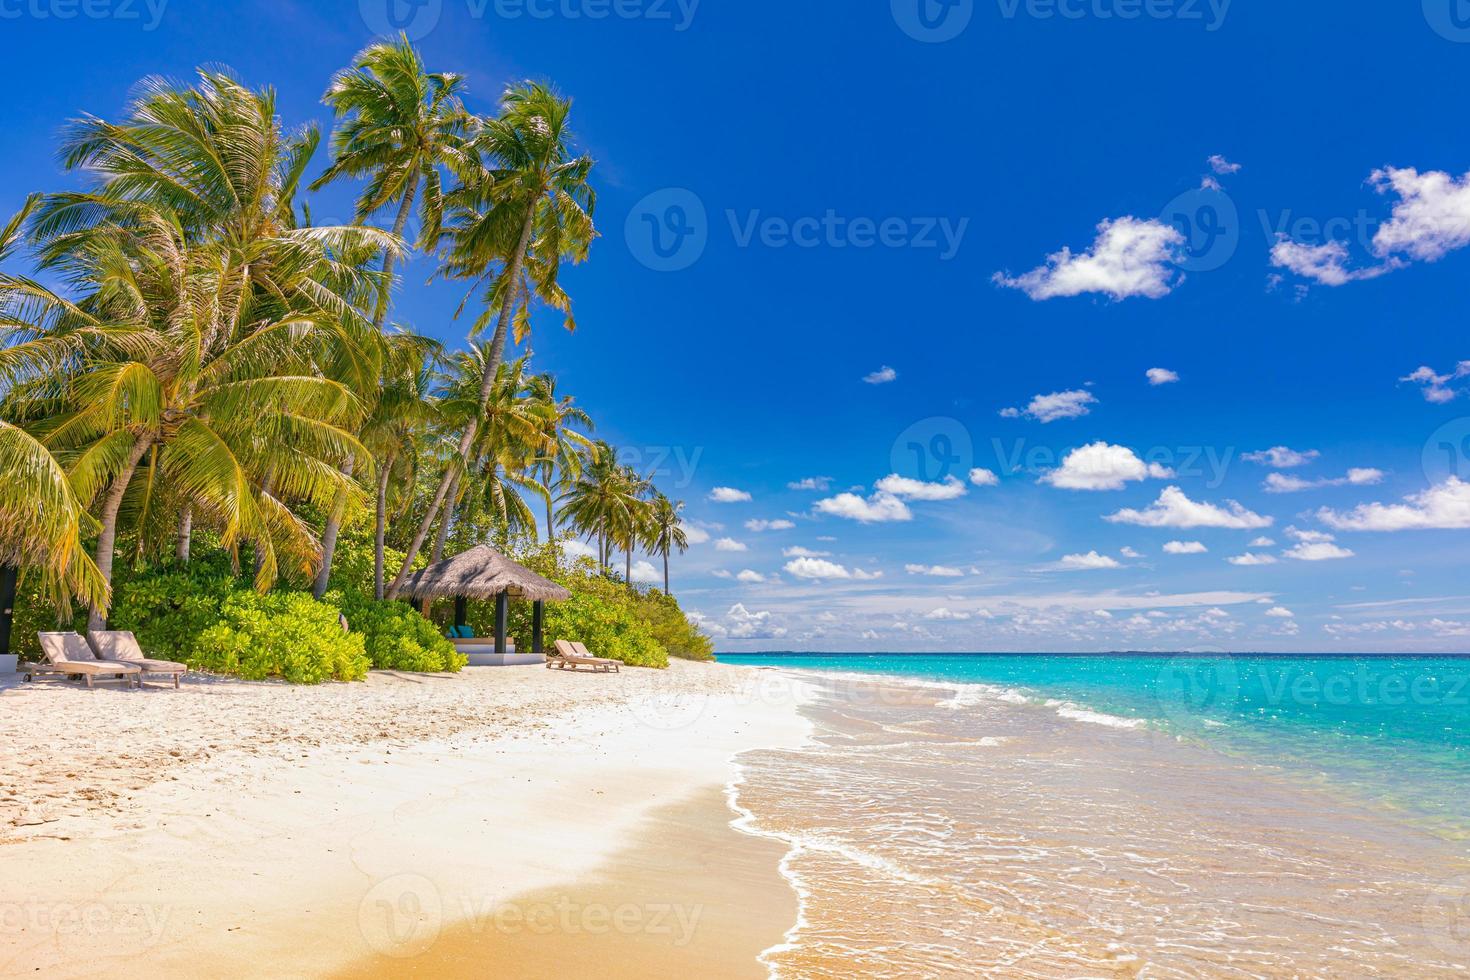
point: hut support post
(461, 611)
(8, 576)
(538, 625)
(501, 608)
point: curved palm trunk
(185, 535)
(399, 223)
(628, 567)
(267, 487)
(380, 529)
(467, 438)
(666, 572)
(330, 531)
(443, 536)
(107, 538)
(333, 526)
(449, 508)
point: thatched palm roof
(481, 573)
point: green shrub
(397, 637)
(280, 634)
(169, 608)
(608, 629)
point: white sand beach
(372, 828)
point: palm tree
(632, 526)
(398, 421)
(238, 426)
(566, 449)
(530, 208)
(400, 125)
(668, 532)
(510, 439)
(213, 159)
(42, 522)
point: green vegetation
(227, 444)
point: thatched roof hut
(481, 573)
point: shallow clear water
(1120, 816)
(1396, 728)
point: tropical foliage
(212, 433)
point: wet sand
(691, 897)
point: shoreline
(324, 859)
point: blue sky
(837, 190)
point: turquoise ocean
(1121, 815)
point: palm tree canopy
(399, 124)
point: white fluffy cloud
(905, 488)
(645, 574)
(935, 571)
(1185, 548)
(880, 508)
(743, 624)
(1446, 506)
(750, 577)
(1250, 558)
(1055, 406)
(1174, 509)
(1129, 257)
(1100, 466)
(818, 484)
(1222, 166)
(1357, 477)
(983, 478)
(728, 495)
(574, 549)
(1437, 387)
(1314, 546)
(1326, 263)
(820, 569)
(1280, 612)
(730, 544)
(947, 615)
(797, 551)
(1161, 376)
(1430, 219)
(882, 376)
(1281, 457)
(1263, 542)
(1090, 561)
(759, 525)
(695, 534)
